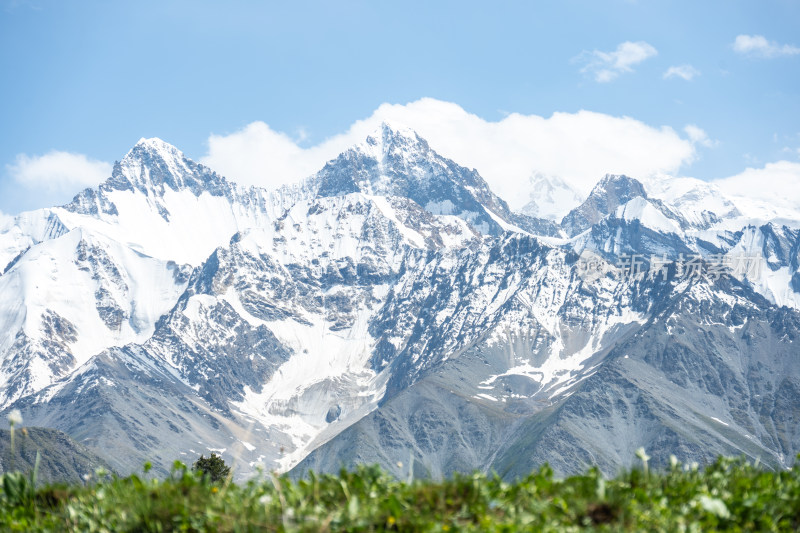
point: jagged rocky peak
(387, 163)
(620, 183)
(395, 161)
(152, 165)
(151, 168)
(392, 139)
(610, 192)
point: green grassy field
(727, 495)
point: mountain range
(392, 309)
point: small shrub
(213, 468)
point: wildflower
(14, 417)
(714, 506)
(214, 490)
(641, 454)
(390, 521)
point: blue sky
(90, 78)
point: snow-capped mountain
(127, 249)
(397, 162)
(701, 204)
(391, 306)
(551, 197)
(611, 192)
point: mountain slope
(61, 459)
(687, 385)
(684, 383)
(73, 296)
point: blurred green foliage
(728, 495)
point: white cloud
(773, 189)
(759, 46)
(686, 72)
(258, 155)
(5, 220)
(606, 66)
(698, 136)
(58, 172)
(576, 147)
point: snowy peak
(551, 198)
(159, 201)
(619, 182)
(156, 144)
(396, 162)
(390, 161)
(392, 139)
(151, 168)
(153, 165)
(609, 193)
(700, 204)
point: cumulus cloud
(58, 172)
(578, 148)
(685, 72)
(698, 136)
(606, 66)
(259, 155)
(772, 189)
(759, 46)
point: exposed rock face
(610, 193)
